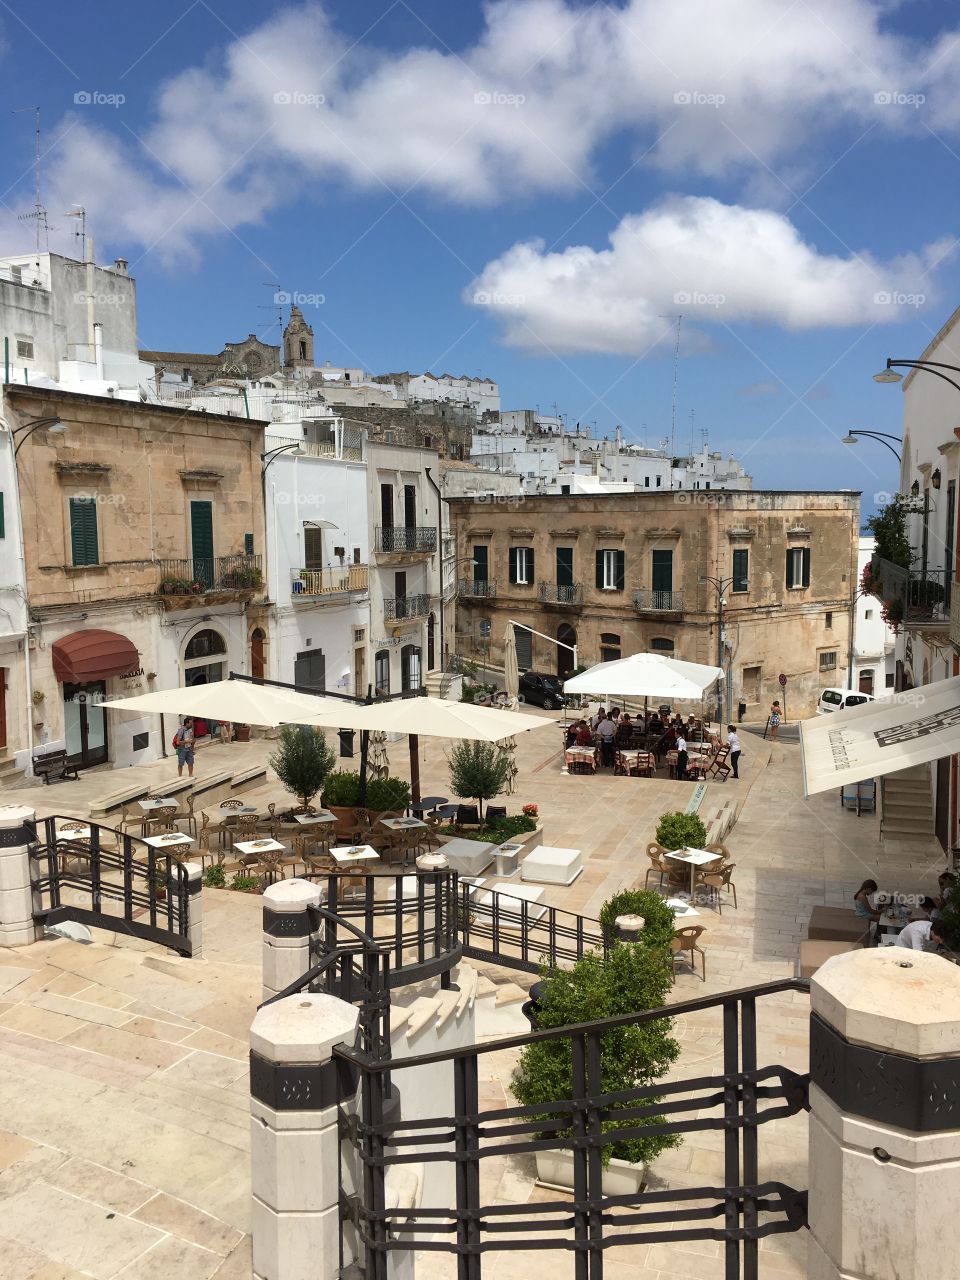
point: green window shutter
(201, 541)
(599, 571)
(790, 581)
(513, 564)
(564, 566)
(480, 565)
(248, 544)
(662, 571)
(620, 570)
(741, 570)
(83, 531)
(806, 567)
(531, 576)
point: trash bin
(507, 859)
(346, 743)
(741, 711)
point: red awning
(93, 655)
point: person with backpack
(183, 745)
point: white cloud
(711, 262)
(702, 87)
(756, 390)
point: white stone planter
(620, 1178)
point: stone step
(907, 828)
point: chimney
(121, 266)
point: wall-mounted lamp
(935, 479)
(915, 489)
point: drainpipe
(246, 402)
(440, 499)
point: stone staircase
(907, 804)
(9, 773)
(438, 683)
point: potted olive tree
(681, 831)
(302, 761)
(341, 795)
(478, 771)
(632, 977)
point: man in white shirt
(606, 732)
(682, 758)
(920, 935)
(733, 742)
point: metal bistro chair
(160, 820)
(715, 880)
(685, 940)
(186, 815)
(656, 867)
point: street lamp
(720, 585)
(928, 366)
(882, 437)
(53, 425)
(266, 458)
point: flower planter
(620, 1178)
(346, 816)
(242, 732)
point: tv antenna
(39, 214)
(676, 370)
(78, 211)
(276, 306)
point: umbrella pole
(414, 769)
(364, 749)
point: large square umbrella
(645, 675)
(240, 701)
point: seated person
(607, 732)
(570, 733)
(946, 883)
(864, 901)
(614, 714)
(921, 935)
(655, 724)
(584, 736)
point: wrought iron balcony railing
(396, 608)
(554, 593)
(477, 590)
(399, 539)
(915, 597)
(200, 575)
(657, 601)
(328, 582)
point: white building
(479, 396)
(874, 643)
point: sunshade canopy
(239, 701)
(93, 655)
(439, 718)
(881, 737)
(645, 675)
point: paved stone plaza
(123, 1077)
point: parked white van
(838, 699)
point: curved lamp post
(268, 457)
(882, 437)
(720, 585)
(928, 366)
(53, 425)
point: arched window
(202, 658)
(661, 644)
(381, 672)
(257, 664)
(610, 650)
(204, 644)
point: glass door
(85, 723)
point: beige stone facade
(145, 523)
(617, 574)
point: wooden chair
(131, 819)
(717, 879)
(685, 940)
(642, 765)
(496, 811)
(719, 766)
(468, 815)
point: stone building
(142, 540)
(249, 358)
(298, 342)
(622, 573)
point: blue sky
(523, 190)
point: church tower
(298, 341)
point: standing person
(183, 742)
(607, 732)
(921, 935)
(776, 715)
(733, 742)
(682, 758)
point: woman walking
(776, 715)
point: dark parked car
(541, 690)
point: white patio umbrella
(440, 718)
(239, 701)
(645, 675)
(378, 764)
(511, 684)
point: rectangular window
(481, 563)
(610, 570)
(564, 566)
(24, 348)
(358, 635)
(83, 531)
(312, 548)
(798, 567)
(248, 544)
(662, 571)
(741, 570)
(828, 661)
(521, 566)
(658, 482)
(828, 621)
(381, 672)
(751, 684)
(646, 482)
(868, 614)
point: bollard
(287, 926)
(18, 869)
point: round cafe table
(426, 803)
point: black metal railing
(519, 934)
(201, 574)
(111, 880)
(657, 601)
(399, 538)
(555, 593)
(396, 608)
(913, 595)
(736, 1099)
(477, 590)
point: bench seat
(552, 865)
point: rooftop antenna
(704, 433)
(676, 370)
(39, 212)
(78, 211)
(693, 414)
(275, 306)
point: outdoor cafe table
(354, 853)
(581, 755)
(694, 858)
(148, 806)
(171, 840)
(402, 824)
(321, 817)
(74, 832)
(426, 803)
(682, 910)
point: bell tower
(297, 341)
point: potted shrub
(242, 883)
(478, 771)
(215, 877)
(681, 831)
(631, 978)
(658, 918)
(302, 761)
(341, 795)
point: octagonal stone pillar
(884, 1170)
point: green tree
(632, 978)
(478, 771)
(889, 528)
(303, 761)
(658, 927)
(680, 831)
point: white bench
(552, 865)
(511, 899)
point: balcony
(553, 593)
(208, 580)
(476, 590)
(913, 598)
(405, 540)
(658, 601)
(955, 616)
(328, 582)
(402, 608)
